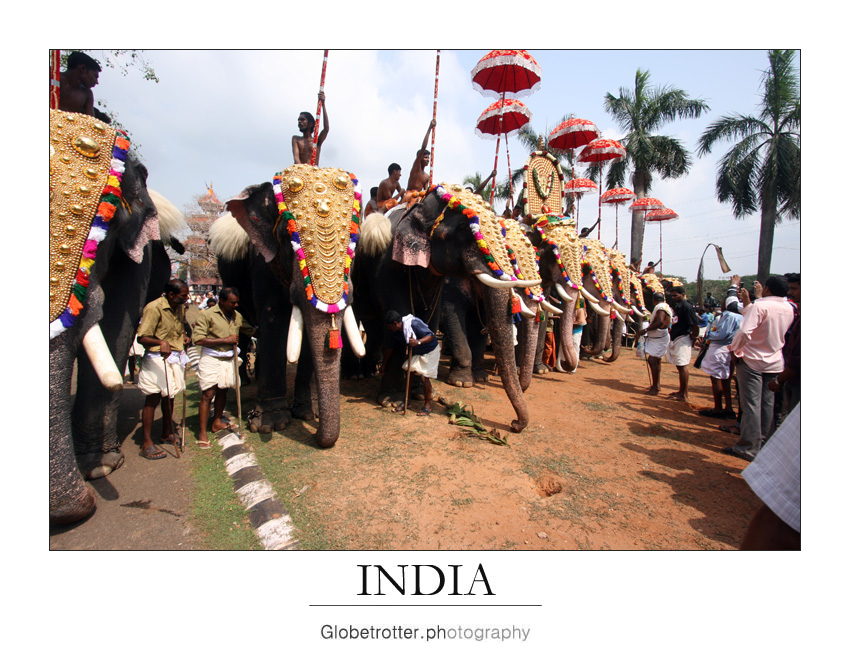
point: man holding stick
(302, 145)
(217, 333)
(161, 332)
(423, 352)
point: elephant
(287, 246)
(574, 266)
(464, 321)
(107, 260)
(450, 233)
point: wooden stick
(170, 405)
(238, 390)
(407, 384)
(319, 110)
(434, 131)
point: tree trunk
(768, 226)
(640, 180)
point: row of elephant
(400, 262)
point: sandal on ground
(399, 408)
(424, 412)
(730, 429)
(204, 444)
(152, 453)
(730, 451)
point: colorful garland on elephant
(454, 203)
(292, 227)
(109, 200)
(543, 222)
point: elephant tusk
(352, 331)
(296, 333)
(562, 292)
(636, 311)
(619, 315)
(588, 296)
(549, 307)
(494, 283)
(621, 308)
(597, 308)
(558, 366)
(523, 309)
(101, 359)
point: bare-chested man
(76, 83)
(388, 188)
(302, 145)
(417, 182)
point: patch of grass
(465, 501)
(599, 407)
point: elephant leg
(539, 366)
(529, 331)
(455, 308)
(271, 412)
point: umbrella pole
(599, 222)
(319, 110)
(498, 139)
(434, 131)
(510, 178)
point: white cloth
(407, 328)
(717, 362)
(425, 365)
(216, 371)
(657, 346)
(679, 351)
(152, 376)
(774, 475)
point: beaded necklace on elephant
(595, 263)
(86, 166)
(618, 266)
(321, 208)
(487, 230)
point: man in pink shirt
(757, 347)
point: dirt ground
(602, 465)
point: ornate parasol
(659, 216)
(573, 133)
(598, 152)
(579, 187)
(501, 72)
(617, 196)
(502, 118)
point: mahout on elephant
(450, 233)
(107, 260)
(288, 247)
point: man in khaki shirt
(217, 333)
(161, 332)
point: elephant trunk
(568, 351)
(327, 365)
(603, 329)
(71, 499)
(529, 331)
(498, 307)
(616, 339)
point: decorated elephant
(449, 233)
(464, 319)
(627, 303)
(107, 260)
(575, 266)
(288, 246)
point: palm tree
(529, 137)
(640, 113)
(763, 169)
(475, 180)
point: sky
(226, 118)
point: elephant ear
(256, 211)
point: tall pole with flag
(434, 131)
(319, 109)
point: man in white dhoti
(657, 339)
(161, 332)
(425, 358)
(217, 333)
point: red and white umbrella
(502, 118)
(617, 196)
(598, 152)
(659, 216)
(573, 133)
(646, 204)
(501, 72)
(579, 187)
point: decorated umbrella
(617, 196)
(598, 152)
(659, 216)
(501, 72)
(578, 187)
(573, 133)
(503, 117)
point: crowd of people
(752, 340)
